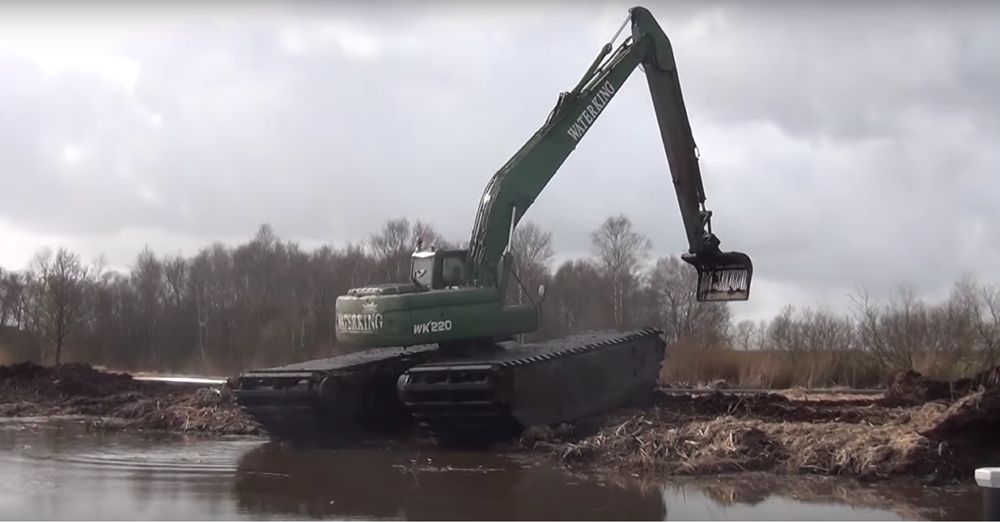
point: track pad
(723, 276)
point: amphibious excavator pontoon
(439, 349)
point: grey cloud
(844, 71)
(841, 145)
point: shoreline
(116, 401)
(910, 431)
(933, 442)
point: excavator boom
(722, 276)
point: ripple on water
(71, 449)
(59, 470)
(194, 465)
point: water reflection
(58, 470)
(762, 496)
(427, 485)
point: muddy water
(55, 469)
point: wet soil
(913, 388)
(914, 430)
(116, 401)
(54, 469)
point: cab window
(453, 270)
(423, 271)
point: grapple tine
(722, 276)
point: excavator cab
(722, 276)
(439, 269)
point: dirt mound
(766, 406)
(967, 430)
(24, 370)
(64, 379)
(116, 401)
(719, 402)
(974, 415)
(913, 387)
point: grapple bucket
(722, 276)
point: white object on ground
(988, 477)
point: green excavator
(441, 348)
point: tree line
(268, 301)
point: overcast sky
(842, 145)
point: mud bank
(116, 401)
(935, 432)
(900, 435)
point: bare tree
(908, 334)
(891, 333)
(393, 245)
(176, 273)
(390, 246)
(988, 324)
(967, 328)
(674, 286)
(147, 282)
(425, 233)
(11, 298)
(572, 307)
(532, 250)
(783, 333)
(199, 290)
(60, 290)
(825, 338)
(620, 252)
(867, 318)
(744, 335)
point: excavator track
(457, 399)
(327, 399)
(568, 379)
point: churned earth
(932, 431)
(116, 401)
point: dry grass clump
(209, 410)
(860, 450)
(729, 444)
(720, 445)
(868, 441)
(912, 431)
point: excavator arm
(722, 276)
